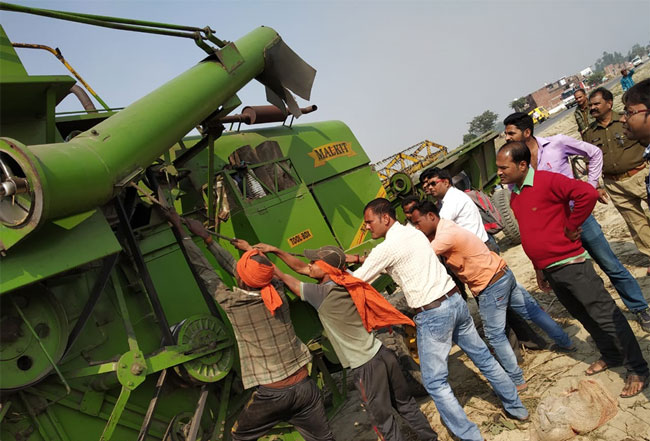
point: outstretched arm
(294, 263)
(195, 256)
(291, 282)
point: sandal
(631, 379)
(596, 367)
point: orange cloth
(374, 309)
(257, 275)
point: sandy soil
(546, 372)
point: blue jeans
(493, 302)
(598, 248)
(437, 329)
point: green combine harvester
(106, 331)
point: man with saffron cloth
(349, 310)
(271, 355)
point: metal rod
(124, 312)
(220, 423)
(127, 232)
(59, 56)
(152, 406)
(211, 176)
(40, 343)
(95, 293)
(120, 404)
(80, 18)
(198, 414)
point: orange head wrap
(257, 275)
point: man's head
(624, 72)
(425, 218)
(408, 204)
(519, 127)
(636, 119)
(513, 161)
(331, 255)
(378, 216)
(601, 102)
(437, 182)
(581, 98)
(253, 271)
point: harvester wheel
(199, 331)
(22, 362)
(501, 200)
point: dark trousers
(581, 291)
(300, 405)
(382, 386)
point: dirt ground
(547, 373)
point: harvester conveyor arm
(121, 24)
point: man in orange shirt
(491, 281)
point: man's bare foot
(634, 384)
(596, 367)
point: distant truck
(636, 61)
(568, 99)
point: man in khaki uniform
(624, 169)
(581, 114)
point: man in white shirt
(454, 204)
(442, 317)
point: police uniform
(624, 175)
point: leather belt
(495, 278)
(437, 302)
(627, 174)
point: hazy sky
(397, 72)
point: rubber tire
(411, 370)
(501, 200)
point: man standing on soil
(552, 154)
(272, 357)
(349, 310)
(636, 119)
(442, 316)
(624, 169)
(488, 277)
(550, 236)
(626, 80)
(581, 114)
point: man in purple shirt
(552, 154)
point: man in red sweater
(550, 235)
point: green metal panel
(342, 201)
(55, 249)
(318, 151)
(11, 64)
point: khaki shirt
(583, 119)
(620, 154)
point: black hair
(381, 206)
(638, 94)
(409, 200)
(518, 151)
(606, 94)
(441, 173)
(426, 175)
(262, 260)
(426, 207)
(520, 120)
